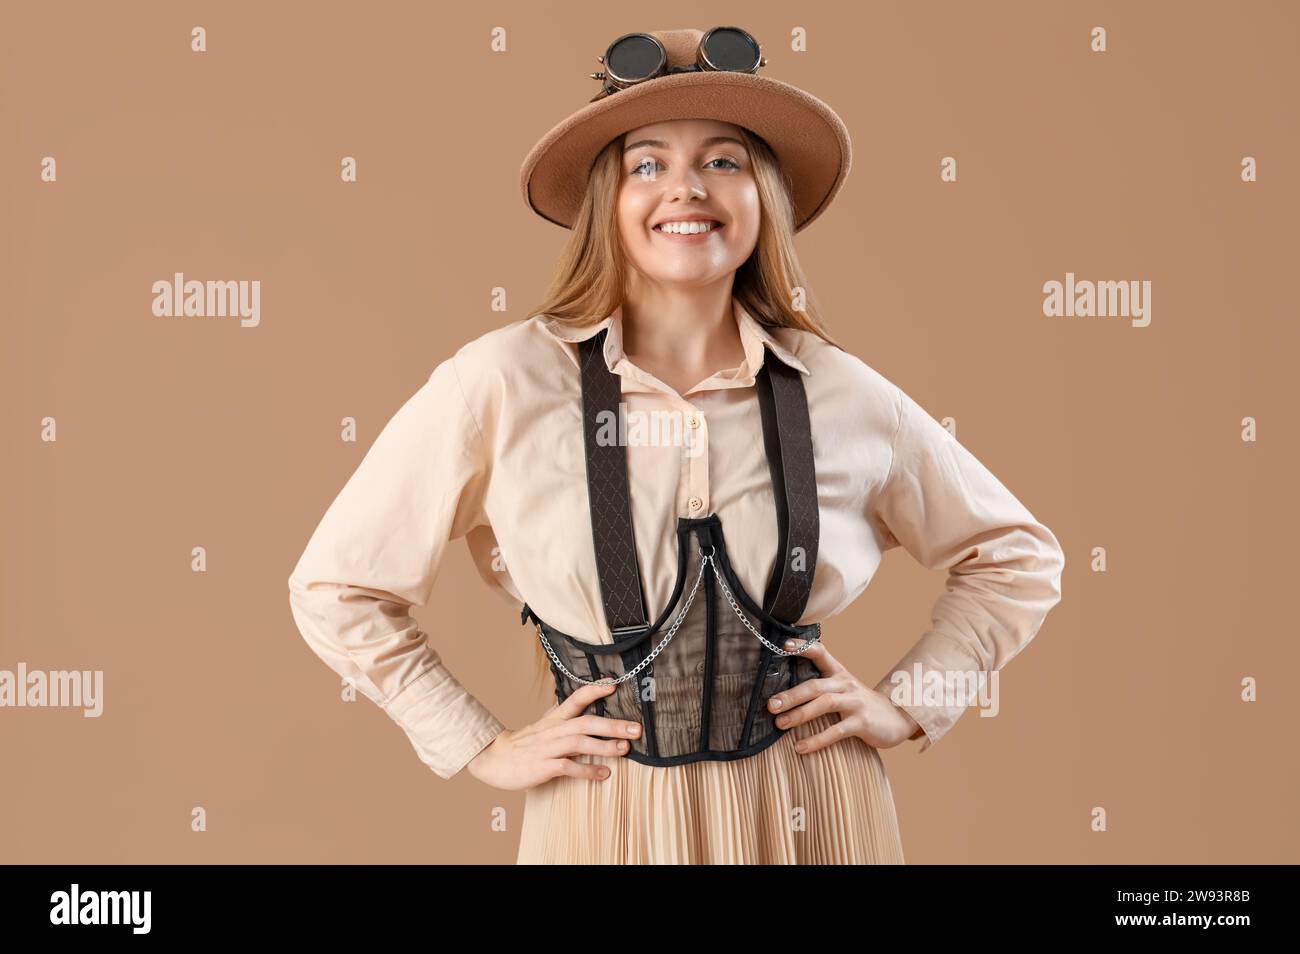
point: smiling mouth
(713, 226)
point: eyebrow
(660, 144)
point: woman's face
(687, 169)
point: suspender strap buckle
(622, 632)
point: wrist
(916, 731)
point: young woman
(676, 475)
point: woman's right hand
(522, 758)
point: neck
(688, 325)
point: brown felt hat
(810, 141)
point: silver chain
(706, 559)
(609, 681)
(748, 625)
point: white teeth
(687, 228)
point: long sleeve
(376, 553)
(948, 511)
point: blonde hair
(591, 274)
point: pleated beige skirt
(833, 806)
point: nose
(685, 182)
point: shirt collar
(754, 336)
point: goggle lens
(728, 49)
(634, 58)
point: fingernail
(633, 729)
(622, 746)
(776, 703)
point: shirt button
(700, 666)
(696, 503)
(695, 421)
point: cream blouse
(490, 448)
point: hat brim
(809, 139)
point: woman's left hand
(865, 713)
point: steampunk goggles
(636, 57)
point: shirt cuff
(446, 725)
(937, 653)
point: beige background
(176, 433)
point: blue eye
(637, 169)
